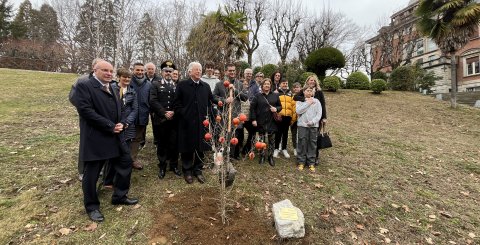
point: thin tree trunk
(453, 91)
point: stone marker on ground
(289, 220)
(477, 104)
(438, 97)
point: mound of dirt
(193, 217)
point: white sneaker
(285, 153)
(295, 152)
(275, 153)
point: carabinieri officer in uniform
(164, 122)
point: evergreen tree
(146, 39)
(49, 28)
(20, 27)
(96, 32)
(5, 15)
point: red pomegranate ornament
(221, 139)
(259, 145)
(218, 118)
(234, 141)
(226, 83)
(208, 136)
(235, 121)
(220, 104)
(242, 117)
(251, 155)
(206, 123)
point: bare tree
(255, 11)
(329, 29)
(174, 29)
(283, 24)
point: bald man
(99, 108)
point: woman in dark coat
(313, 82)
(261, 114)
(129, 112)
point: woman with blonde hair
(313, 82)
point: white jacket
(309, 115)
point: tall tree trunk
(453, 90)
(249, 58)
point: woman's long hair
(317, 87)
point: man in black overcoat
(193, 100)
(99, 108)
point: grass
(398, 160)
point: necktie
(105, 88)
(121, 92)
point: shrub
(379, 75)
(322, 59)
(403, 78)
(269, 69)
(304, 77)
(378, 85)
(358, 80)
(331, 83)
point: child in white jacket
(309, 114)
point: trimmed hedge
(378, 85)
(331, 83)
(358, 80)
(304, 77)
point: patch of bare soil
(192, 217)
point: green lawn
(404, 168)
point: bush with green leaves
(379, 75)
(402, 78)
(304, 77)
(331, 83)
(269, 69)
(323, 59)
(378, 85)
(358, 80)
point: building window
(419, 47)
(431, 45)
(473, 65)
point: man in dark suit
(98, 106)
(193, 102)
(162, 94)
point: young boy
(287, 112)
(296, 87)
(309, 114)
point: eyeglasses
(259, 76)
(231, 70)
(168, 71)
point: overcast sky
(363, 12)
(367, 14)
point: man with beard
(142, 87)
(193, 100)
(221, 93)
(162, 95)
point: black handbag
(323, 138)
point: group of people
(114, 116)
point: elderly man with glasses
(162, 95)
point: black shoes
(176, 171)
(161, 174)
(200, 178)
(125, 201)
(271, 161)
(188, 179)
(96, 216)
